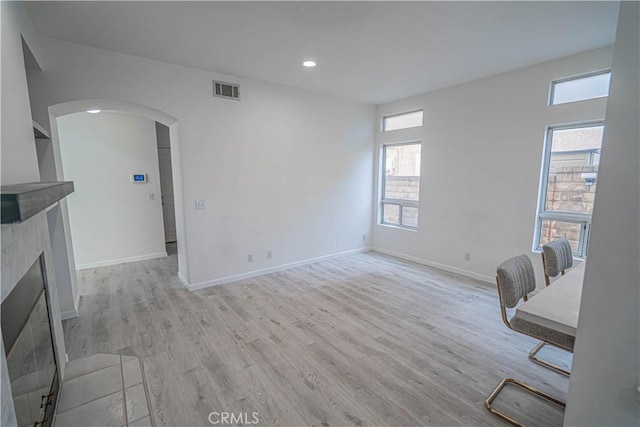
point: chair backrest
(516, 279)
(558, 257)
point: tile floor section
(104, 390)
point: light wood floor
(360, 340)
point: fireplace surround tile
(22, 244)
(106, 411)
(114, 395)
(136, 399)
(132, 373)
(142, 422)
(95, 362)
(91, 386)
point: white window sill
(576, 257)
(398, 227)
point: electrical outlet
(269, 255)
(151, 196)
(201, 204)
(249, 258)
(364, 237)
(467, 257)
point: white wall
(112, 219)
(46, 161)
(282, 170)
(482, 145)
(606, 366)
(19, 165)
(19, 159)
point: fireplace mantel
(22, 201)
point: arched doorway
(109, 105)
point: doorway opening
(166, 188)
(119, 211)
(120, 172)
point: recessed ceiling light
(309, 64)
(93, 111)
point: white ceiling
(371, 52)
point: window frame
(542, 214)
(552, 89)
(384, 118)
(396, 202)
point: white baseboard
(445, 267)
(256, 273)
(69, 314)
(184, 280)
(120, 260)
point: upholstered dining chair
(557, 257)
(516, 279)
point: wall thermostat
(139, 177)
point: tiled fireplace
(32, 353)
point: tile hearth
(104, 390)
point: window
(580, 88)
(568, 185)
(400, 184)
(402, 121)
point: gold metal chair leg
(536, 359)
(496, 391)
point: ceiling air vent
(226, 90)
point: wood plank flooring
(364, 340)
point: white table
(557, 306)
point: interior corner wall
(281, 170)
(19, 159)
(603, 389)
(482, 150)
(112, 218)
